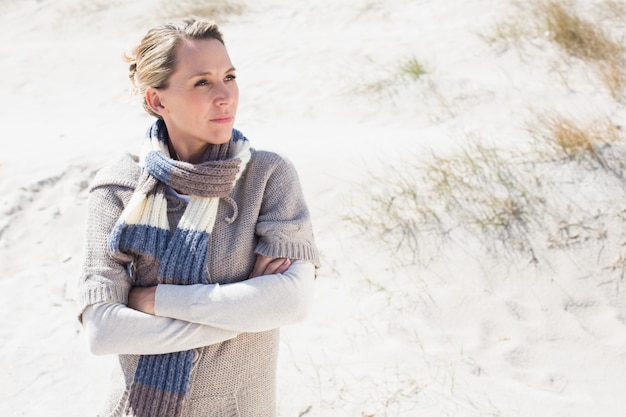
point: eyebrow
(201, 74)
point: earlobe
(153, 98)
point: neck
(193, 156)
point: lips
(222, 119)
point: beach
(471, 331)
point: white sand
(466, 336)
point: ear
(154, 101)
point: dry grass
(511, 203)
(507, 33)
(613, 76)
(614, 9)
(388, 83)
(413, 69)
(576, 36)
(161, 11)
(586, 40)
(218, 10)
(478, 192)
(594, 144)
(484, 194)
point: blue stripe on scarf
(237, 136)
(159, 166)
(163, 371)
(158, 130)
(189, 249)
(143, 238)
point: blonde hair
(154, 59)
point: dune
(469, 334)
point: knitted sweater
(235, 374)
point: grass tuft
(614, 9)
(613, 76)
(593, 145)
(577, 36)
(208, 9)
(476, 192)
(506, 33)
(413, 69)
(512, 203)
(406, 73)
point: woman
(198, 250)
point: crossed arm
(143, 298)
(169, 318)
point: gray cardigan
(232, 322)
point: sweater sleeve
(103, 278)
(254, 305)
(284, 224)
(113, 328)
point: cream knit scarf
(161, 381)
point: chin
(224, 139)
(220, 138)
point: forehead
(202, 56)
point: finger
(284, 267)
(259, 265)
(273, 266)
(277, 266)
(134, 297)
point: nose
(224, 95)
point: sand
(470, 334)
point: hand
(142, 299)
(267, 266)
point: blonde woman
(198, 249)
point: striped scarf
(161, 381)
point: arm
(113, 328)
(274, 299)
(283, 227)
(279, 296)
(254, 305)
(142, 298)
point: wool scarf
(161, 381)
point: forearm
(254, 305)
(113, 328)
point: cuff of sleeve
(289, 250)
(100, 294)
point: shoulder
(266, 157)
(123, 172)
(267, 164)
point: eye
(230, 77)
(201, 83)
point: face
(200, 101)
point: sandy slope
(467, 336)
